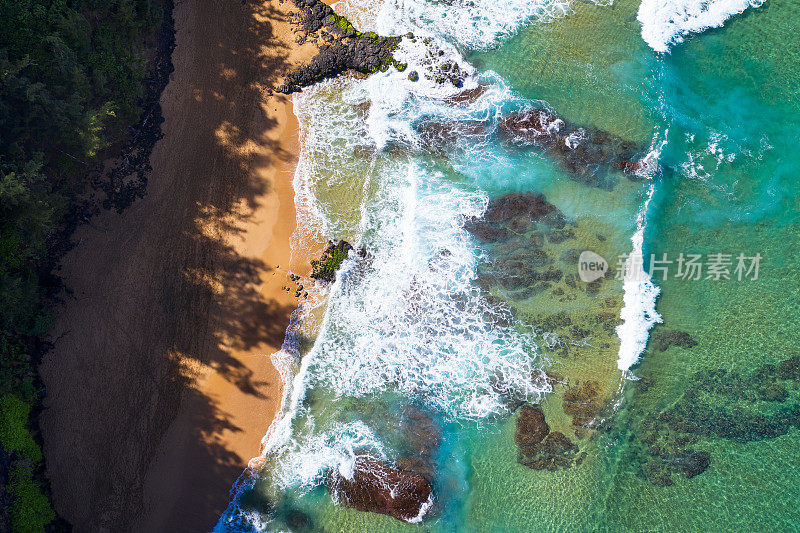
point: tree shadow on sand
(163, 295)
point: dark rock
(379, 488)
(717, 403)
(468, 96)
(439, 137)
(583, 403)
(790, 368)
(581, 150)
(504, 208)
(531, 426)
(485, 232)
(125, 182)
(633, 167)
(531, 126)
(694, 463)
(348, 48)
(449, 72)
(555, 451)
(325, 268)
(540, 449)
(661, 339)
(413, 76)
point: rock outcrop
(540, 449)
(379, 488)
(661, 339)
(586, 152)
(341, 47)
(324, 268)
(719, 404)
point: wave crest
(668, 22)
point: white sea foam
(409, 318)
(668, 22)
(638, 312)
(472, 23)
(702, 162)
(415, 322)
(336, 448)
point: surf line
(638, 313)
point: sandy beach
(159, 385)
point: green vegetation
(332, 258)
(14, 435)
(30, 508)
(345, 25)
(388, 60)
(70, 85)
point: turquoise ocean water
(428, 344)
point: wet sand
(159, 385)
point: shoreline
(159, 383)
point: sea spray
(668, 22)
(476, 24)
(639, 313)
(408, 318)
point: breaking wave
(474, 24)
(639, 313)
(668, 22)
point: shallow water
(438, 323)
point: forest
(72, 87)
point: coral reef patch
(376, 487)
(538, 447)
(585, 151)
(719, 404)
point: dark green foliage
(325, 267)
(345, 25)
(14, 435)
(70, 86)
(30, 509)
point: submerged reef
(421, 436)
(661, 339)
(376, 487)
(341, 47)
(588, 154)
(539, 448)
(518, 224)
(719, 404)
(585, 151)
(530, 264)
(584, 403)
